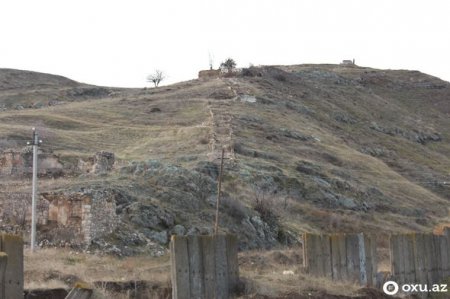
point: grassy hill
(315, 148)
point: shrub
(280, 77)
(251, 72)
(266, 212)
(229, 64)
(235, 208)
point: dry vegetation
(260, 271)
(62, 268)
(312, 124)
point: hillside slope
(308, 148)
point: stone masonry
(85, 215)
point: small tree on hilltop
(156, 77)
(228, 64)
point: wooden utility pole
(35, 143)
(219, 191)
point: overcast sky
(118, 43)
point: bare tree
(156, 77)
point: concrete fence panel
(352, 249)
(3, 263)
(232, 262)
(180, 268)
(420, 258)
(13, 246)
(204, 267)
(347, 257)
(209, 267)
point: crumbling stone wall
(19, 163)
(11, 162)
(75, 217)
(99, 217)
(78, 217)
(206, 74)
(101, 162)
(15, 208)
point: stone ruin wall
(87, 217)
(222, 72)
(99, 218)
(75, 218)
(19, 163)
(207, 74)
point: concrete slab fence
(420, 258)
(204, 267)
(345, 257)
(11, 266)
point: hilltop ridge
(15, 79)
(319, 148)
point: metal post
(35, 143)
(219, 191)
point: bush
(229, 64)
(266, 212)
(280, 77)
(235, 208)
(251, 72)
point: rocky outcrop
(413, 135)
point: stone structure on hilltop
(208, 74)
(348, 62)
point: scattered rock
(54, 102)
(295, 135)
(376, 151)
(155, 109)
(247, 98)
(88, 92)
(414, 135)
(344, 118)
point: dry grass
(262, 272)
(53, 267)
(125, 124)
(128, 125)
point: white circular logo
(390, 288)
